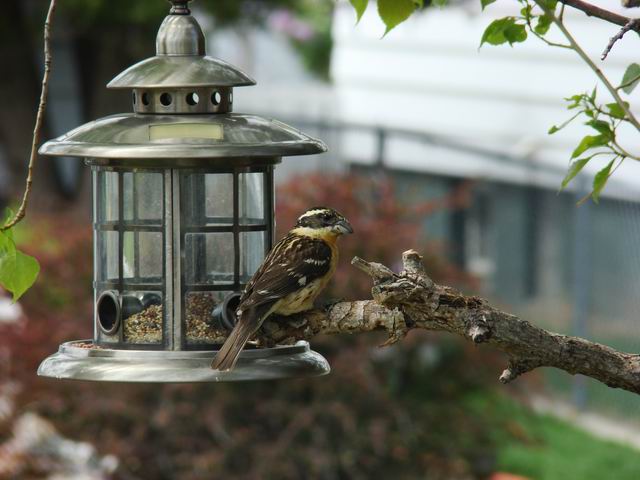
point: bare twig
(37, 130)
(601, 13)
(618, 36)
(411, 300)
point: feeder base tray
(79, 360)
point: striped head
(321, 222)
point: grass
(542, 447)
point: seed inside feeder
(200, 326)
(146, 326)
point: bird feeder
(183, 215)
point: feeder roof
(132, 136)
(181, 71)
(180, 60)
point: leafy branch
(536, 19)
(604, 119)
(18, 271)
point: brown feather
(228, 354)
(290, 278)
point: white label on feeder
(186, 130)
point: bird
(289, 280)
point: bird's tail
(228, 354)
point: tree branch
(411, 300)
(618, 36)
(601, 13)
(37, 129)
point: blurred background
(439, 145)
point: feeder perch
(183, 215)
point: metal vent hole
(165, 99)
(216, 98)
(193, 98)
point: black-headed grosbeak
(292, 275)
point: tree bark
(411, 300)
(601, 13)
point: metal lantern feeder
(183, 215)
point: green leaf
(600, 180)
(394, 12)
(550, 4)
(485, 3)
(18, 271)
(502, 31)
(515, 33)
(439, 3)
(630, 78)
(543, 24)
(574, 169)
(590, 141)
(574, 100)
(616, 110)
(494, 33)
(601, 126)
(360, 7)
(6, 242)
(556, 128)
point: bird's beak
(343, 226)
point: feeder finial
(180, 33)
(179, 7)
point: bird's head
(322, 222)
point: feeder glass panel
(218, 191)
(143, 197)
(251, 186)
(208, 259)
(107, 198)
(252, 251)
(223, 240)
(107, 245)
(129, 252)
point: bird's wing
(292, 264)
